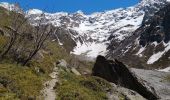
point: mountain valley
(120, 54)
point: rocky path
(49, 92)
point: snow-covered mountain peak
(34, 11)
(80, 12)
(146, 2)
(101, 28)
(7, 5)
(11, 7)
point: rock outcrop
(157, 79)
(118, 93)
(118, 73)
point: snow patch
(34, 11)
(155, 43)
(140, 51)
(155, 57)
(90, 49)
(165, 70)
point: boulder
(116, 72)
(157, 79)
(62, 63)
(118, 93)
(73, 70)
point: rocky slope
(149, 43)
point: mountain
(11, 7)
(35, 59)
(149, 44)
(93, 33)
(100, 33)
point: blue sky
(87, 6)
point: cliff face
(149, 45)
(157, 29)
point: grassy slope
(18, 81)
(24, 82)
(74, 87)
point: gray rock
(62, 63)
(156, 80)
(73, 70)
(118, 73)
(123, 93)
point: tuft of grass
(7, 95)
(122, 97)
(19, 81)
(3, 42)
(74, 87)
